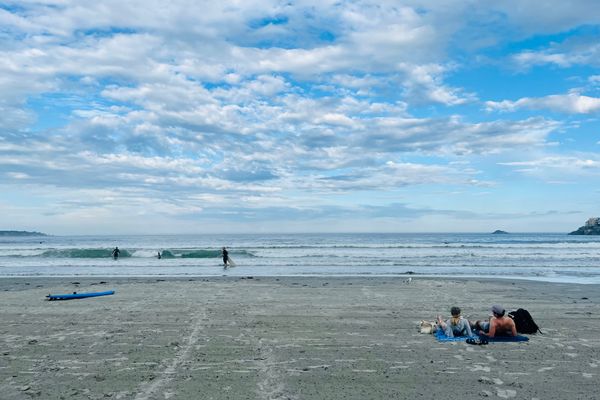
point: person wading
(225, 254)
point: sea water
(538, 256)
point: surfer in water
(115, 253)
(158, 255)
(225, 258)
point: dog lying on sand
(427, 327)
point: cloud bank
(261, 110)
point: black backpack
(524, 322)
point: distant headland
(499, 232)
(591, 227)
(21, 233)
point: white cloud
(559, 162)
(556, 16)
(572, 103)
(17, 175)
(453, 136)
(425, 82)
(164, 43)
(531, 58)
(560, 168)
(326, 136)
(570, 52)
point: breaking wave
(126, 253)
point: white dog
(428, 327)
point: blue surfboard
(76, 295)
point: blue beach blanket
(518, 338)
(441, 337)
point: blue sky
(316, 116)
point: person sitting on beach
(456, 325)
(500, 324)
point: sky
(256, 116)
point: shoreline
(226, 337)
(403, 277)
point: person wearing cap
(500, 324)
(456, 325)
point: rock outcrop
(21, 233)
(499, 232)
(591, 227)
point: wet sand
(289, 338)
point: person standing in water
(115, 253)
(158, 255)
(225, 254)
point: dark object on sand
(524, 321)
(478, 341)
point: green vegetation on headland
(21, 233)
(591, 227)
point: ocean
(537, 256)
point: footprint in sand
(485, 379)
(506, 393)
(544, 369)
(478, 367)
(490, 381)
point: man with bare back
(500, 324)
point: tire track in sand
(147, 389)
(270, 385)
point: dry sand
(289, 338)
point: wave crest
(135, 253)
(82, 253)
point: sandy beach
(289, 338)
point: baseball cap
(497, 309)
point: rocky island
(499, 232)
(21, 233)
(591, 227)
